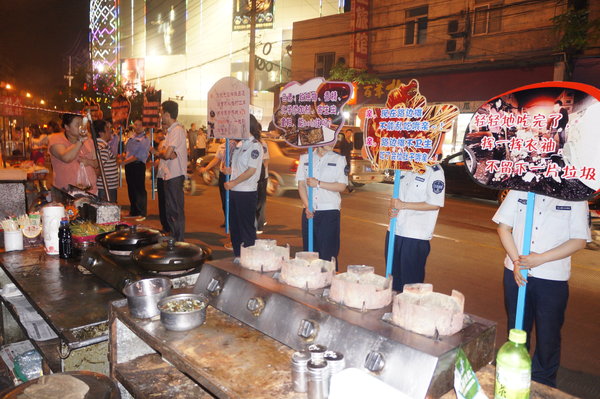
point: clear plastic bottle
(65, 243)
(513, 368)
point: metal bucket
(144, 295)
(182, 320)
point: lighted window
(416, 25)
(487, 18)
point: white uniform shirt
(554, 222)
(171, 168)
(247, 154)
(330, 168)
(429, 187)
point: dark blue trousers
(135, 174)
(408, 264)
(242, 212)
(174, 207)
(545, 306)
(222, 194)
(326, 234)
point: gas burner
(175, 273)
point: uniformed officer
(560, 228)
(330, 179)
(416, 212)
(245, 172)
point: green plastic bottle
(513, 368)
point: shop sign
(540, 138)
(310, 114)
(406, 133)
(229, 110)
(375, 93)
(359, 51)
(242, 10)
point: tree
(344, 73)
(576, 32)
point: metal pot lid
(170, 255)
(128, 238)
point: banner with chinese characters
(406, 133)
(151, 108)
(119, 109)
(229, 110)
(359, 50)
(541, 138)
(310, 114)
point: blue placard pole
(526, 249)
(120, 151)
(227, 177)
(152, 162)
(392, 237)
(310, 202)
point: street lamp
(28, 95)
(42, 102)
(8, 86)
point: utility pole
(69, 77)
(252, 59)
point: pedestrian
(220, 158)
(136, 154)
(172, 169)
(330, 178)
(263, 181)
(245, 172)
(109, 163)
(416, 212)
(560, 228)
(39, 144)
(200, 148)
(192, 136)
(72, 156)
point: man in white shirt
(560, 228)
(416, 212)
(330, 178)
(173, 168)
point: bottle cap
(517, 336)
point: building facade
(461, 51)
(184, 47)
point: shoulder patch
(522, 201)
(438, 186)
(347, 170)
(254, 154)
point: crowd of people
(560, 227)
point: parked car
(459, 182)
(362, 171)
(283, 164)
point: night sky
(35, 36)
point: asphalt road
(466, 255)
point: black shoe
(223, 225)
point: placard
(310, 114)
(406, 133)
(229, 110)
(151, 108)
(541, 138)
(119, 109)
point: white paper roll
(51, 216)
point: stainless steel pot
(182, 320)
(143, 296)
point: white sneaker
(259, 232)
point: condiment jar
(318, 380)
(317, 352)
(300, 371)
(336, 362)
